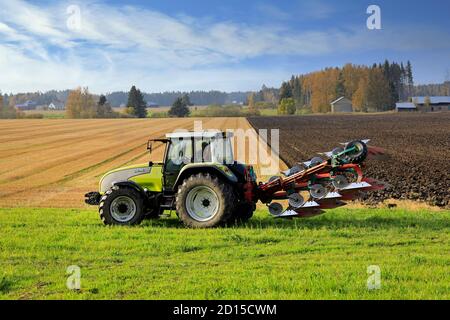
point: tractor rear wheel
(204, 201)
(121, 206)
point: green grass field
(321, 258)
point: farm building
(56, 106)
(28, 105)
(405, 107)
(432, 104)
(341, 105)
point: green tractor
(198, 178)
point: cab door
(179, 154)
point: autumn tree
(323, 87)
(359, 99)
(81, 104)
(375, 88)
(73, 104)
(252, 106)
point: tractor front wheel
(204, 201)
(121, 206)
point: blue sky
(205, 45)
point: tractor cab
(189, 151)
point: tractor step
(168, 202)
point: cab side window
(180, 154)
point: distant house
(28, 105)
(405, 107)
(432, 104)
(341, 105)
(56, 106)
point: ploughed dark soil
(417, 148)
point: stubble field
(53, 163)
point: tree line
(167, 98)
(118, 98)
(442, 89)
(81, 104)
(370, 88)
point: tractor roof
(199, 134)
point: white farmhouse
(56, 106)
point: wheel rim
(123, 209)
(202, 203)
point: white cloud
(122, 45)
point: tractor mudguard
(216, 169)
(93, 198)
(132, 185)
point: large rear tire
(121, 206)
(204, 201)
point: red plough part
(328, 182)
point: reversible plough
(321, 183)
